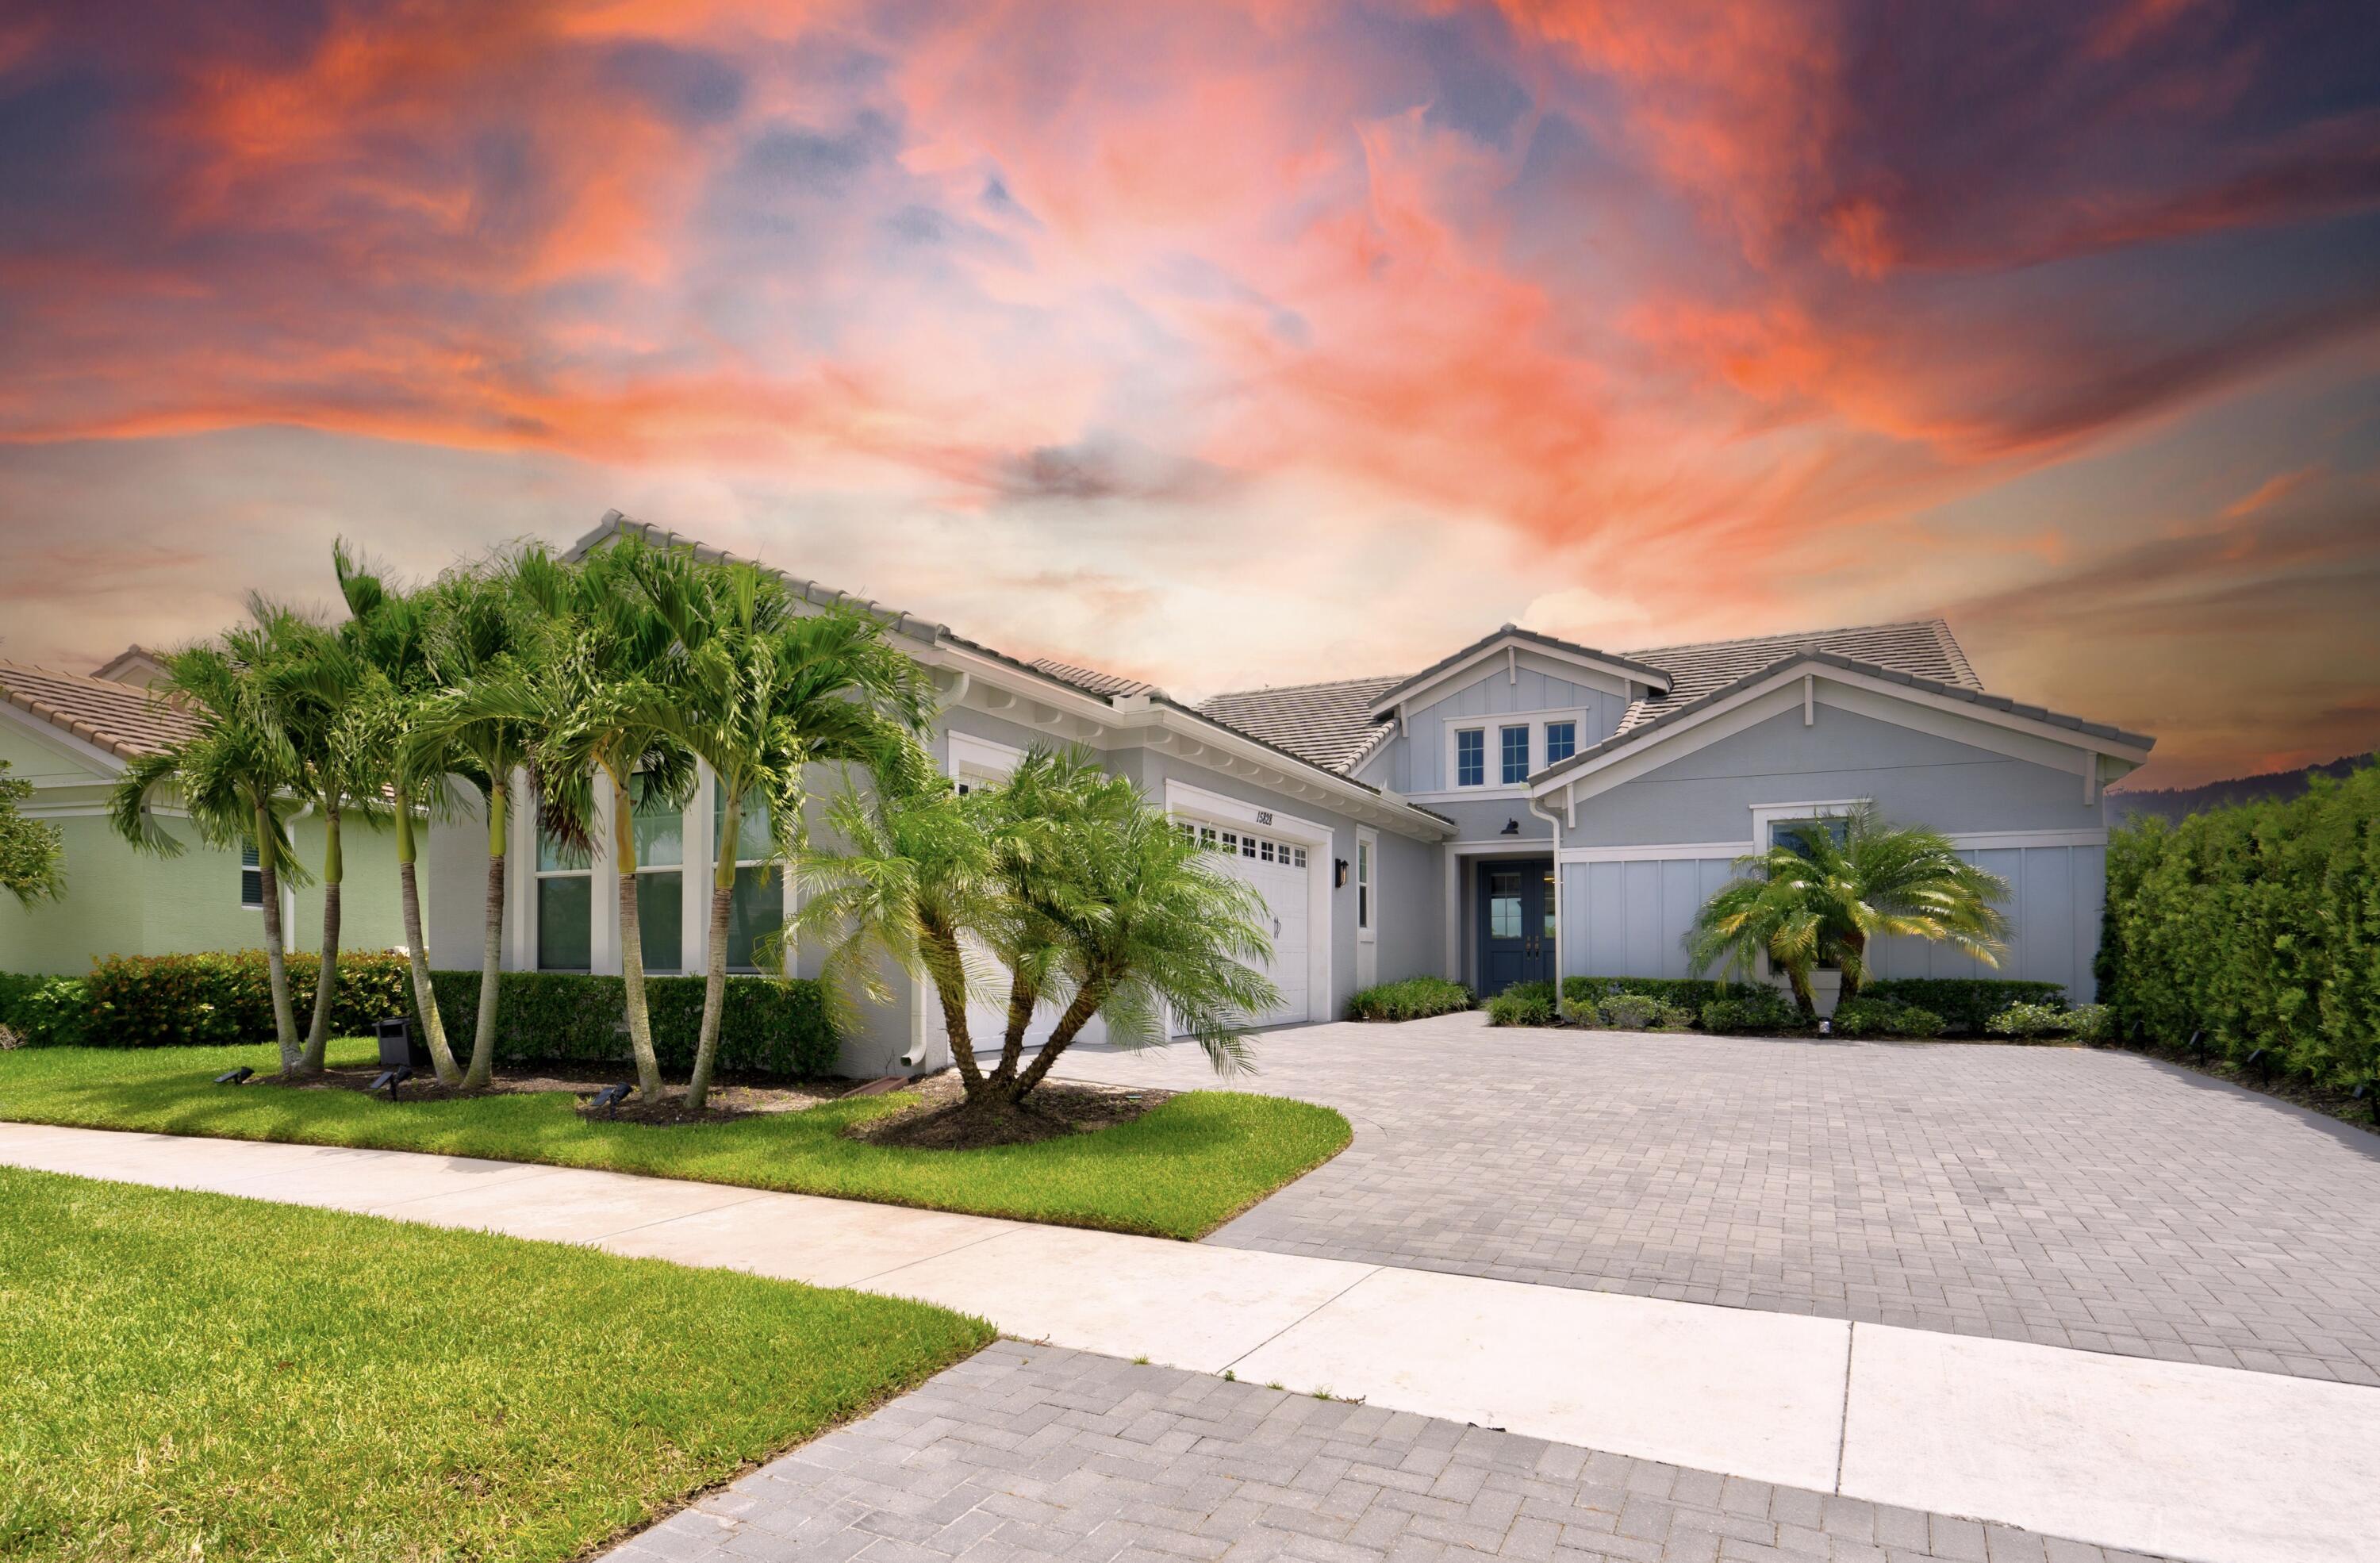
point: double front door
(1516, 923)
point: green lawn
(192, 1377)
(1180, 1171)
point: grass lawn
(1179, 1171)
(193, 1377)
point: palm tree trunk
(632, 947)
(1087, 1002)
(714, 975)
(492, 947)
(326, 979)
(1802, 997)
(268, 876)
(417, 960)
(953, 996)
(1022, 996)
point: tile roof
(122, 718)
(1090, 680)
(1676, 713)
(1922, 646)
(1329, 724)
(1643, 669)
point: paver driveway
(2098, 1199)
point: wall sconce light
(1511, 828)
(1338, 873)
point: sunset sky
(1232, 343)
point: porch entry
(1517, 923)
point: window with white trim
(251, 877)
(756, 908)
(1562, 741)
(1367, 849)
(1471, 756)
(659, 828)
(565, 906)
(1513, 754)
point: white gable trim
(1506, 653)
(1797, 686)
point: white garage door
(1278, 872)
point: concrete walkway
(2166, 1458)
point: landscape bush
(40, 1011)
(1692, 993)
(2257, 924)
(2027, 1021)
(767, 1027)
(1524, 1004)
(216, 996)
(1750, 1009)
(1413, 998)
(1965, 1004)
(1633, 1011)
(1866, 1016)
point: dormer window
(1471, 758)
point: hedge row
(571, 1018)
(2258, 925)
(1413, 998)
(227, 997)
(1965, 1004)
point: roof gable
(1627, 668)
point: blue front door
(1516, 923)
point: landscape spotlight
(610, 1097)
(390, 1079)
(239, 1076)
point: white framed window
(1503, 752)
(978, 763)
(756, 908)
(660, 829)
(565, 906)
(1367, 851)
(251, 877)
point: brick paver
(1029, 1452)
(2066, 1196)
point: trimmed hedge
(1965, 1004)
(1413, 998)
(1751, 1008)
(221, 997)
(1524, 1004)
(2257, 924)
(1869, 1016)
(40, 1011)
(768, 1027)
(1691, 993)
(1628, 1011)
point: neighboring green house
(69, 735)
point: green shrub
(1634, 1011)
(42, 1011)
(218, 997)
(1865, 1016)
(1965, 1004)
(2028, 1021)
(1692, 993)
(1413, 998)
(1752, 1010)
(2258, 925)
(766, 1027)
(1524, 1004)
(2091, 1023)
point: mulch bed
(729, 1099)
(1056, 1108)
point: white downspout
(1561, 923)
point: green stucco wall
(119, 902)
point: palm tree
(390, 631)
(1819, 899)
(486, 630)
(315, 690)
(236, 779)
(912, 887)
(1139, 921)
(762, 689)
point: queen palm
(389, 630)
(486, 630)
(236, 779)
(761, 689)
(1820, 899)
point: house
(1524, 808)
(71, 735)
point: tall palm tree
(1144, 922)
(390, 630)
(236, 780)
(315, 690)
(490, 626)
(1819, 899)
(762, 688)
(911, 887)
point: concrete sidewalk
(2171, 1459)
